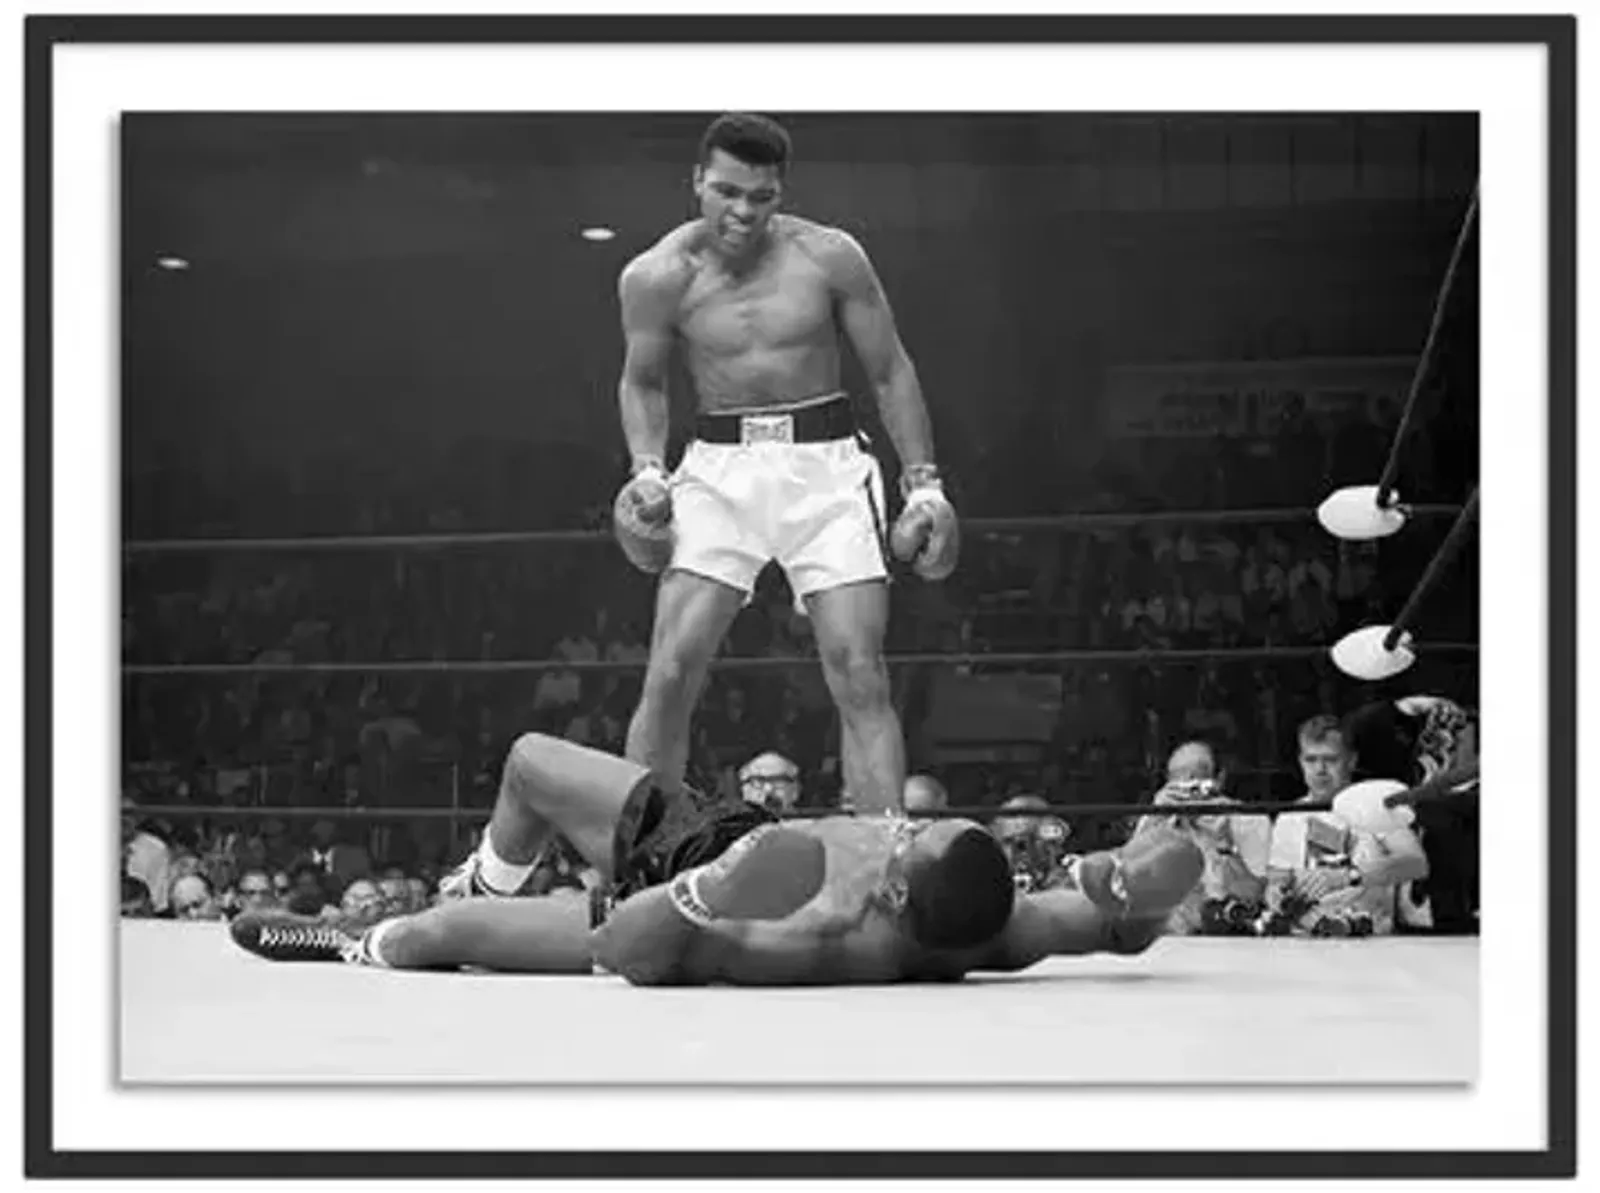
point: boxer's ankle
(498, 875)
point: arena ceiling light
(598, 234)
(169, 261)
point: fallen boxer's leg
(547, 786)
(544, 935)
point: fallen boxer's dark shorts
(660, 835)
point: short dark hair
(754, 140)
(963, 897)
(1321, 728)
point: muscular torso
(765, 336)
(849, 933)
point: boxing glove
(641, 518)
(769, 874)
(926, 535)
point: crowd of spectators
(208, 870)
(1170, 588)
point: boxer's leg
(850, 622)
(717, 553)
(548, 935)
(547, 786)
(577, 790)
(831, 527)
(693, 614)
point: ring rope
(1424, 794)
(1430, 575)
(1391, 466)
(503, 538)
(230, 812)
(758, 663)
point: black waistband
(835, 419)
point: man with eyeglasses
(770, 781)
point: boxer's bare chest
(782, 302)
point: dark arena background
(371, 441)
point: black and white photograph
(761, 550)
(804, 596)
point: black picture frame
(1557, 34)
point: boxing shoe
(280, 937)
(1145, 879)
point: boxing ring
(1401, 1010)
(1395, 1010)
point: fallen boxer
(723, 892)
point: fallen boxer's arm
(1119, 903)
(647, 941)
(1046, 924)
(728, 920)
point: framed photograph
(869, 597)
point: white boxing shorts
(816, 508)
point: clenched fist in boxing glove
(926, 535)
(641, 518)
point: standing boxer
(758, 302)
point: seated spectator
(394, 891)
(135, 898)
(1229, 897)
(339, 864)
(1326, 878)
(184, 863)
(361, 903)
(417, 894)
(148, 858)
(306, 893)
(772, 781)
(1036, 845)
(924, 793)
(190, 899)
(254, 892)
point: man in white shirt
(1324, 877)
(146, 857)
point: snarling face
(737, 200)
